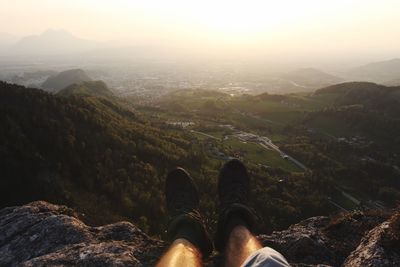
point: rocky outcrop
(303, 243)
(324, 241)
(373, 251)
(42, 234)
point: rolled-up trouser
(266, 257)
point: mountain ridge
(311, 77)
(94, 88)
(64, 79)
(379, 72)
(51, 42)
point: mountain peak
(65, 79)
(56, 32)
(52, 42)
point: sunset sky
(334, 27)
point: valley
(285, 115)
(309, 153)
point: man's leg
(233, 194)
(236, 222)
(241, 244)
(186, 232)
(181, 253)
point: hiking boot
(185, 220)
(233, 193)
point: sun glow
(284, 25)
(228, 20)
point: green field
(259, 155)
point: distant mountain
(65, 79)
(52, 42)
(379, 72)
(7, 39)
(368, 95)
(394, 82)
(311, 78)
(344, 88)
(95, 88)
(32, 79)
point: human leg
(181, 253)
(186, 232)
(235, 231)
(240, 245)
(236, 220)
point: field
(257, 154)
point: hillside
(94, 88)
(42, 234)
(64, 79)
(309, 77)
(373, 97)
(379, 72)
(394, 82)
(347, 143)
(86, 152)
(93, 154)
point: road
(295, 161)
(283, 154)
(263, 141)
(267, 143)
(337, 205)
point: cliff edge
(43, 234)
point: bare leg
(181, 253)
(241, 244)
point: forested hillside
(367, 107)
(66, 78)
(347, 135)
(94, 88)
(87, 152)
(110, 163)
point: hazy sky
(323, 27)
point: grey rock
(42, 234)
(371, 251)
(303, 244)
(323, 241)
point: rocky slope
(43, 234)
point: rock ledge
(43, 234)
